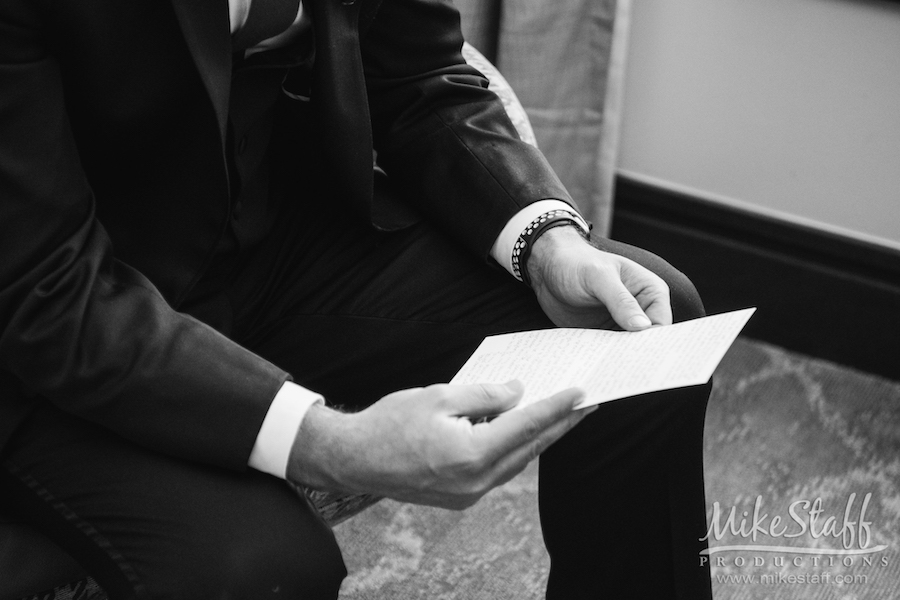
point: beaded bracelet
(522, 248)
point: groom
(208, 284)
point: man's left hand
(579, 285)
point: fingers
(451, 462)
(538, 424)
(622, 305)
(660, 309)
(635, 297)
(506, 445)
(549, 426)
(482, 400)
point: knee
(686, 301)
(288, 563)
(260, 569)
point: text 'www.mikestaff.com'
(824, 578)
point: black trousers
(356, 314)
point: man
(196, 244)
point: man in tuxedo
(209, 283)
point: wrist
(547, 248)
(315, 457)
(523, 247)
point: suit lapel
(206, 30)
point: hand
(425, 445)
(578, 285)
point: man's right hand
(426, 446)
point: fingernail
(639, 321)
(515, 385)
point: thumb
(623, 306)
(486, 399)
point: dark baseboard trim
(818, 293)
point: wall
(788, 107)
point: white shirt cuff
(502, 249)
(272, 449)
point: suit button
(348, 2)
(238, 209)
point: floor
(784, 431)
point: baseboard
(818, 293)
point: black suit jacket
(114, 192)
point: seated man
(206, 287)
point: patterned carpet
(783, 431)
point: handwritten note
(607, 365)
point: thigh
(149, 526)
(356, 314)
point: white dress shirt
(272, 449)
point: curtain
(565, 60)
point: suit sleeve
(440, 133)
(79, 327)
